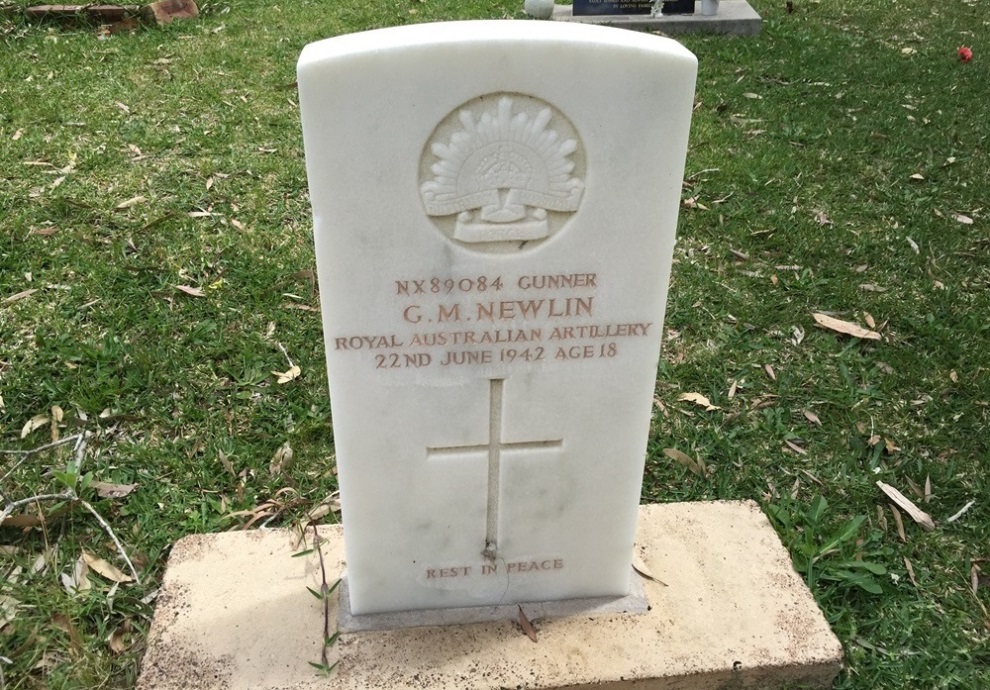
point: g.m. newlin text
(504, 310)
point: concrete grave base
(234, 613)
(735, 17)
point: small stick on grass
(109, 531)
(78, 455)
(41, 449)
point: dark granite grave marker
(592, 7)
(677, 7)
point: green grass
(815, 172)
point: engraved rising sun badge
(503, 168)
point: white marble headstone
(495, 205)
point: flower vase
(541, 9)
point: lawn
(157, 273)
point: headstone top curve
(430, 35)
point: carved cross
(494, 448)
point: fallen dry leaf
(133, 201)
(844, 327)
(696, 466)
(526, 625)
(301, 307)
(871, 287)
(105, 569)
(693, 202)
(910, 572)
(795, 447)
(285, 376)
(20, 295)
(105, 490)
(281, 460)
(960, 218)
(330, 504)
(882, 519)
(227, 464)
(914, 487)
(318, 513)
(64, 623)
(120, 639)
(797, 335)
(812, 417)
(640, 567)
(770, 372)
(36, 422)
(22, 521)
(57, 416)
(658, 403)
(699, 400)
(77, 581)
(40, 563)
(918, 515)
(899, 523)
(8, 609)
(194, 291)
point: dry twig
(70, 495)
